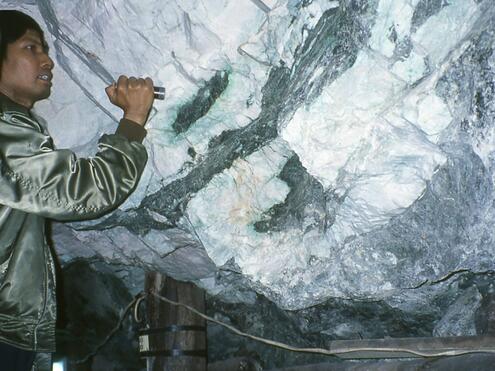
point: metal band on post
(173, 339)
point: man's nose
(47, 62)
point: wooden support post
(175, 338)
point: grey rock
(459, 319)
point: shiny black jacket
(38, 182)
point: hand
(134, 96)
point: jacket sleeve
(36, 178)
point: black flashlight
(159, 92)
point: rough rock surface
(307, 150)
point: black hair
(13, 25)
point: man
(38, 182)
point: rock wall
(306, 150)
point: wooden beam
(478, 362)
(387, 348)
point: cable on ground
(329, 352)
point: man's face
(27, 70)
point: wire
(328, 352)
(135, 302)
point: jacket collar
(8, 105)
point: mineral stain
(206, 97)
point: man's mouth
(45, 77)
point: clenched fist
(134, 96)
